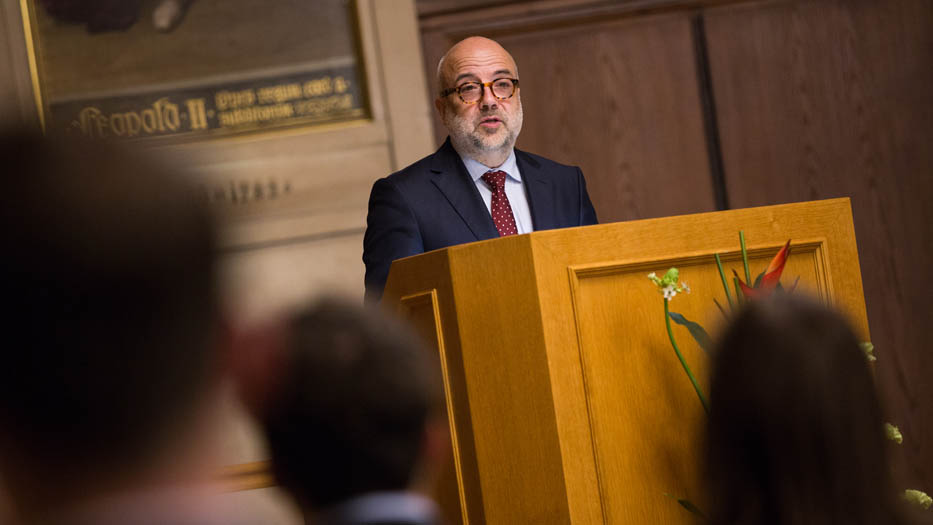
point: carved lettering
(341, 85)
(206, 108)
(91, 122)
(147, 117)
(242, 192)
(318, 87)
(324, 106)
(168, 114)
(197, 115)
(118, 124)
(256, 114)
(279, 94)
(133, 124)
(234, 99)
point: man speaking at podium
(477, 186)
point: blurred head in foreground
(795, 431)
(109, 351)
(352, 418)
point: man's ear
(440, 107)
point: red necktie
(501, 209)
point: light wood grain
(430, 274)
(422, 312)
(644, 417)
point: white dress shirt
(514, 189)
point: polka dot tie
(501, 209)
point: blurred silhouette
(111, 372)
(795, 431)
(351, 423)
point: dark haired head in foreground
(351, 420)
(795, 431)
(109, 353)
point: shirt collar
(477, 169)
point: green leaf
(725, 286)
(748, 276)
(692, 508)
(680, 357)
(697, 331)
(721, 309)
(738, 291)
(758, 279)
(687, 504)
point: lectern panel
(568, 402)
(422, 312)
(644, 415)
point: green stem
(725, 286)
(670, 334)
(748, 275)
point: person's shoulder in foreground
(442, 199)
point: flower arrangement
(765, 284)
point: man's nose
(489, 101)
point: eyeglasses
(472, 92)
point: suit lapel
(539, 191)
(452, 179)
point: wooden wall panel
(616, 95)
(834, 98)
(621, 101)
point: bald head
(483, 129)
(471, 51)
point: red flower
(767, 281)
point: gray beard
(478, 145)
(473, 146)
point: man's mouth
(490, 122)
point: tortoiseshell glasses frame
(472, 92)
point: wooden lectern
(565, 399)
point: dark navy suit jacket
(434, 204)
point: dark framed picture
(191, 69)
